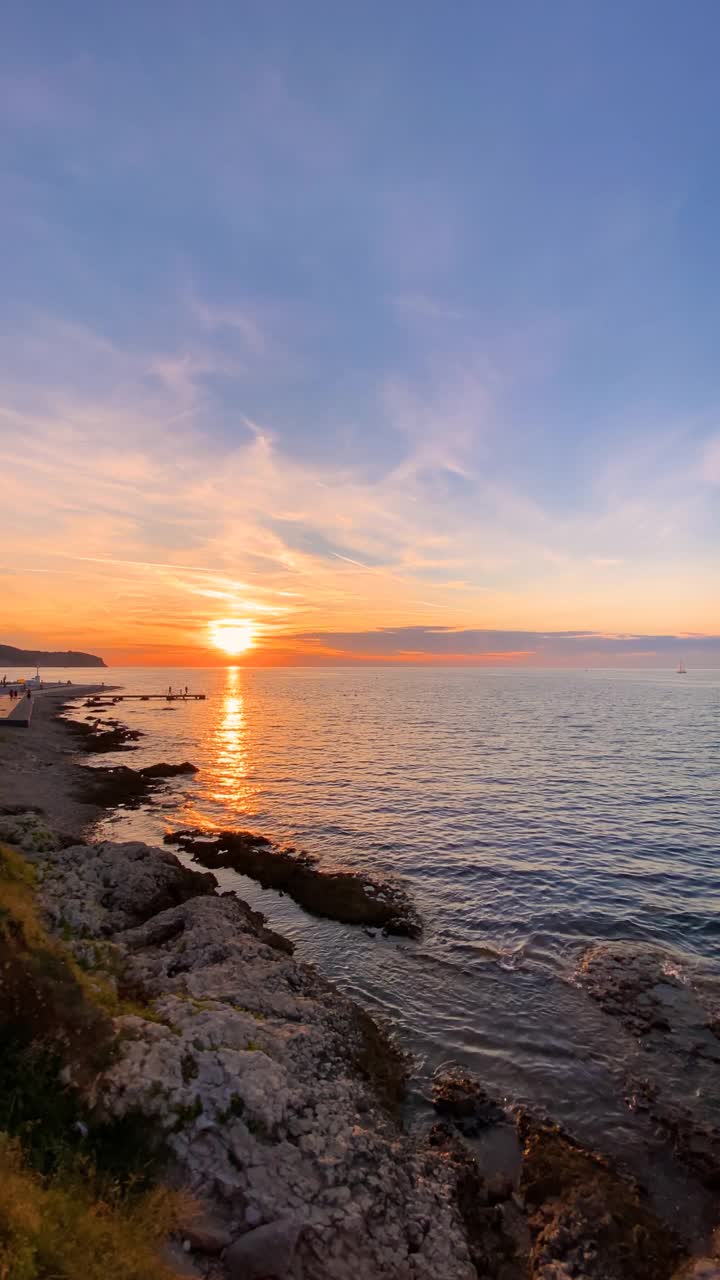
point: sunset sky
(371, 332)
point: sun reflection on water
(227, 780)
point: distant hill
(11, 657)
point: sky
(361, 333)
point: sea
(529, 814)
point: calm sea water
(529, 813)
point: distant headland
(12, 657)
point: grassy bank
(78, 1195)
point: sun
(231, 636)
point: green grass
(65, 1228)
(78, 1195)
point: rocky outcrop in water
(638, 985)
(120, 784)
(585, 1219)
(163, 770)
(111, 786)
(677, 1079)
(352, 897)
(458, 1096)
(103, 735)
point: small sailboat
(681, 670)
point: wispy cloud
(241, 320)
(472, 645)
(117, 467)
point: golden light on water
(232, 636)
(231, 746)
(227, 779)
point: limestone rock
(29, 831)
(99, 889)
(265, 1253)
(206, 1233)
(261, 1075)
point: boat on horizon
(681, 670)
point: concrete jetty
(18, 713)
(149, 697)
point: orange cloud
(123, 530)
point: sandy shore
(36, 764)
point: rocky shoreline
(274, 1094)
(274, 1099)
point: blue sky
(455, 265)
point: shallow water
(529, 812)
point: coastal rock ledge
(273, 1091)
(274, 1099)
